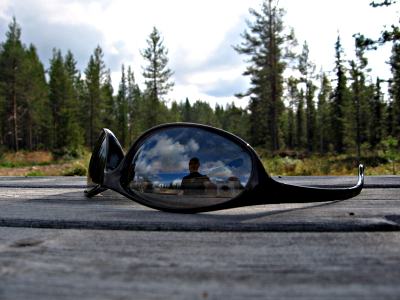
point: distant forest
(64, 111)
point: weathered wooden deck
(57, 244)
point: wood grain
(108, 247)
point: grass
(38, 159)
(328, 165)
(25, 159)
(35, 174)
(78, 170)
(275, 165)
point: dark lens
(97, 163)
(115, 153)
(189, 168)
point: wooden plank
(60, 203)
(336, 250)
(95, 264)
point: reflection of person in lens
(195, 183)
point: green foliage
(68, 153)
(22, 89)
(94, 100)
(77, 170)
(35, 174)
(339, 100)
(390, 151)
(265, 44)
(3, 158)
(327, 165)
(157, 77)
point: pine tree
(60, 92)
(358, 108)
(187, 111)
(135, 108)
(265, 44)
(12, 79)
(339, 99)
(307, 71)
(68, 137)
(323, 129)
(108, 99)
(157, 76)
(74, 76)
(292, 98)
(202, 113)
(95, 74)
(394, 90)
(235, 120)
(36, 130)
(376, 123)
(300, 122)
(174, 113)
(122, 110)
(392, 35)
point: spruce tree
(122, 110)
(68, 136)
(307, 71)
(391, 35)
(265, 44)
(36, 121)
(187, 111)
(60, 92)
(95, 75)
(359, 113)
(300, 122)
(157, 76)
(108, 99)
(174, 113)
(292, 98)
(376, 123)
(12, 80)
(339, 99)
(394, 90)
(324, 131)
(135, 107)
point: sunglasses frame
(261, 188)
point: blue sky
(198, 34)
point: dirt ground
(50, 170)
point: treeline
(310, 111)
(342, 113)
(66, 112)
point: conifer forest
(62, 109)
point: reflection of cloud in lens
(177, 181)
(166, 155)
(192, 146)
(219, 169)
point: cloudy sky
(198, 34)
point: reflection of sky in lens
(162, 153)
(165, 156)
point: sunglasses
(190, 168)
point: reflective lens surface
(115, 153)
(189, 168)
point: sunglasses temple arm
(300, 194)
(90, 193)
